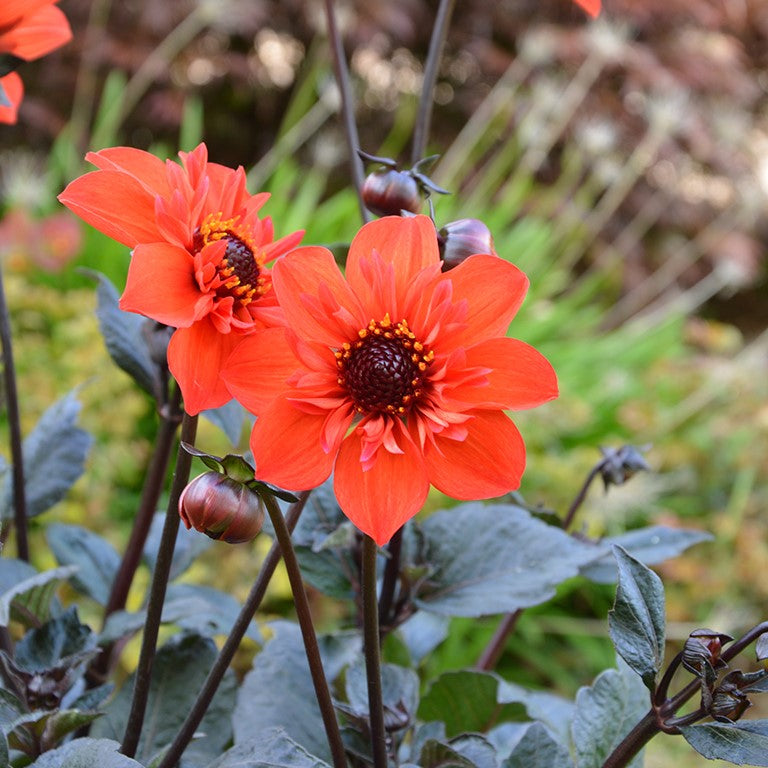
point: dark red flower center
(239, 271)
(384, 369)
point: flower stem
(582, 494)
(373, 654)
(239, 628)
(490, 656)
(389, 581)
(157, 592)
(431, 67)
(347, 107)
(14, 426)
(311, 648)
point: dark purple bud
(222, 508)
(619, 465)
(701, 652)
(462, 238)
(729, 702)
(387, 192)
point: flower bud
(701, 652)
(221, 508)
(387, 192)
(729, 702)
(462, 238)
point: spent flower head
(393, 378)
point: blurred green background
(620, 163)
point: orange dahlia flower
(199, 255)
(28, 30)
(592, 7)
(394, 378)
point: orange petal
(409, 244)
(161, 284)
(318, 303)
(592, 7)
(488, 463)
(143, 166)
(521, 377)
(14, 92)
(39, 32)
(380, 500)
(494, 290)
(256, 371)
(114, 203)
(14, 11)
(195, 357)
(286, 447)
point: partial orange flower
(200, 255)
(592, 7)
(28, 30)
(394, 378)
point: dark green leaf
(555, 712)
(4, 754)
(57, 639)
(124, 337)
(54, 457)
(605, 713)
(96, 559)
(744, 743)
(11, 708)
(477, 749)
(178, 673)
(648, 545)
(30, 601)
(435, 754)
(278, 693)
(189, 545)
(466, 701)
(636, 620)
(505, 737)
(495, 558)
(422, 633)
(61, 722)
(400, 693)
(537, 749)
(229, 419)
(86, 753)
(271, 748)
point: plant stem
(347, 108)
(373, 654)
(431, 67)
(157, 591)
(490, 656)
(239, 628)
(389, 581)
(581, 495)
(311, 648)
(634, 741)
(14, 428)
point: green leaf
(189, 545)
(475, 748)
(4, 754)
(400, 693)
(123, 334)
(495, 558)
(278, 693)
(636, 620)
(537, 749)
(50, 727)
(744, 743)
(229, 418)
(553, 711)
(605, 713)
(57, 640)
(30, 600)
(95, 558)
(436, 754)
(178, 673)
(648, 545)
(86, 753)
(54, 457)
(466, 701)
(422, 633)
(203, 610)
(271, 748)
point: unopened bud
(222, 508)
(702, 649)
(462, 238)
(729, 702)
(619, 465)
(387, 192)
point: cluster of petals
(395, 376)
(29, 29)
(199, 254)
(592, 7)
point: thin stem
(660, 696)
(157, 592)
(492, 652)
(373, 654)
(311, 648)
(581, 495)
(389, 581)
(347, 108)
(431, 68)
(227, 653)
(14, 426)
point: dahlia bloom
(28, 30)
(592, 7)
(394, 378)
(199, 255)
